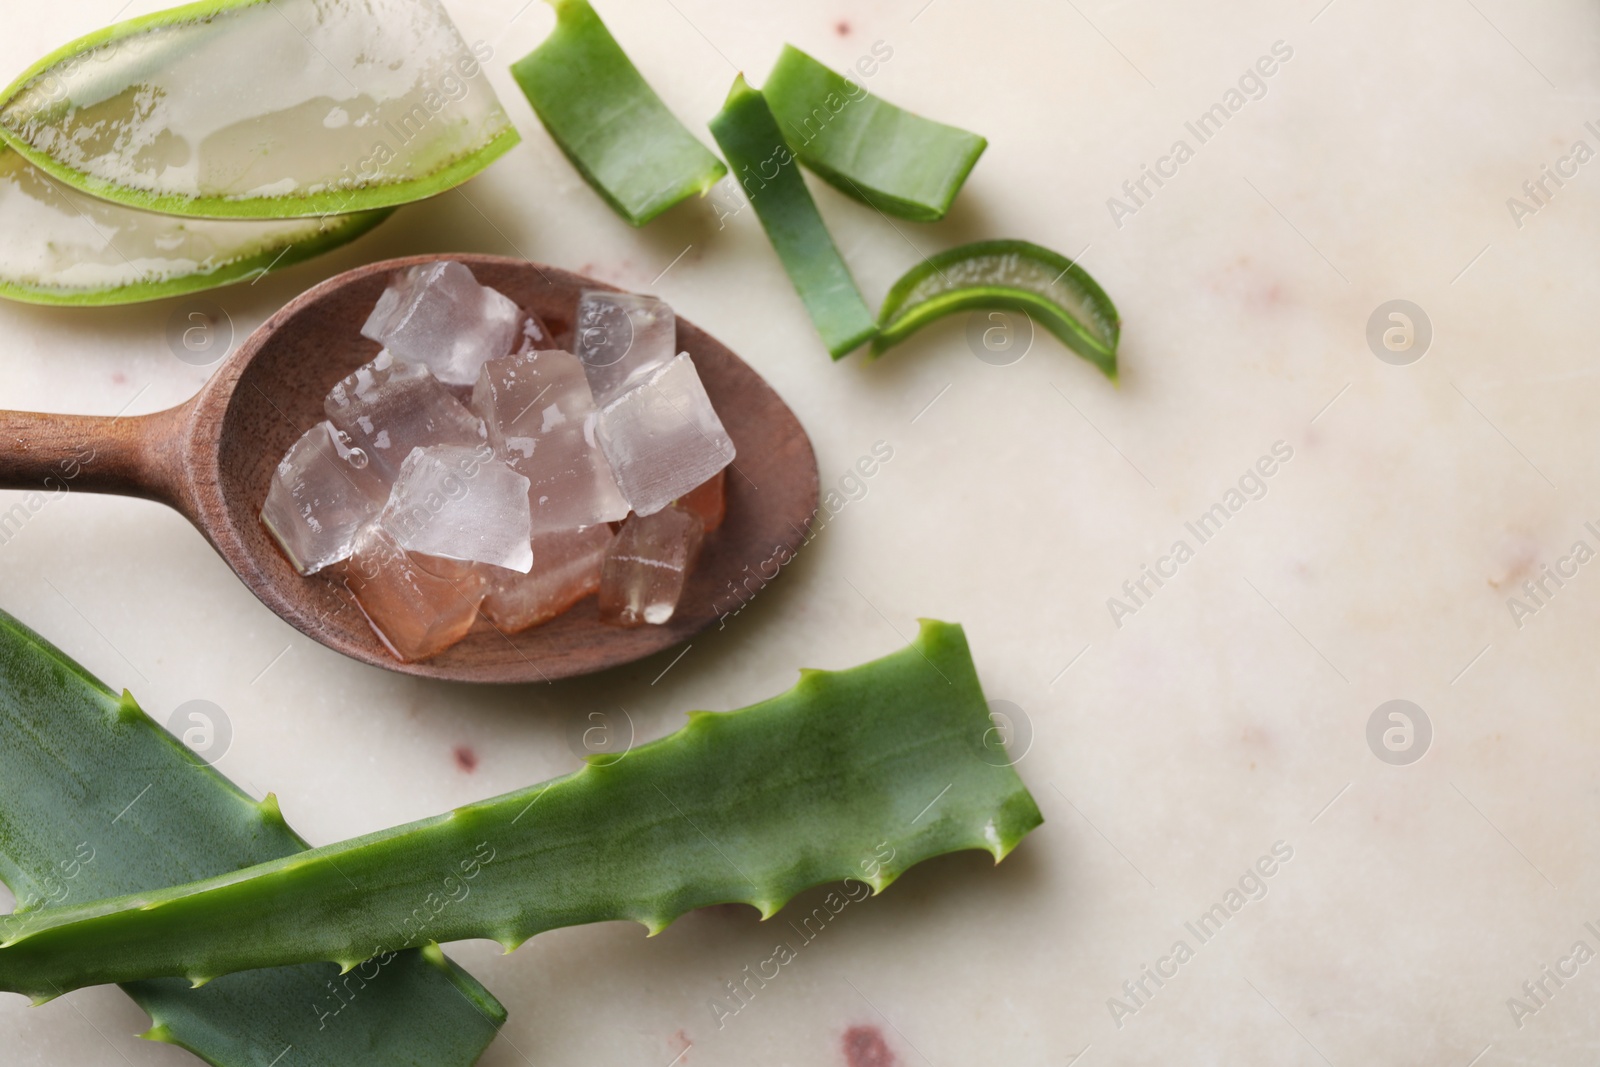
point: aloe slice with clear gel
(62, 247)
(1010, 274)
(903, 164)
(263, 108)
(608, 121)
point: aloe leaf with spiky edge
(749, 806)
(96, 799)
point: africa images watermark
(852, 487)
(453, 86)
(1537, 992)
(1539, 591)
(57, 484)
(453, 890)
(1138, 591)
(1251, 86)
(1137, 993)
(821, 115)
(1541, 190)
(741, 994)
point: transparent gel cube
(566, 568)
(324, 490)
(663, 438)
(622, 338)
(647, 567)
(541, 420)
(438, 315)
(415, 612)
(461, 504)
(389, 406)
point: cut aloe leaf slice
(262, 109)
(852, 775)
(1016, 275)
(96, 800)
(612, 126)
(900, 163)
(62, 247)
(765, 166)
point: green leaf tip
(270, 810)
(127, 709)
(159, 1032)
(855, 774)
(739, 89)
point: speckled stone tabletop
(1250, 855)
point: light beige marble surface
(1227, 714)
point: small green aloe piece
(96, 800)
(898, 162)
(62, 247)
(1017, 275)
(764, 164)
(854, 774)
(609, 122)
(263, 109)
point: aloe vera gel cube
(663, 437)
(621, 339)
(437, 314)
(324, 490)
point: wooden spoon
(213, 458)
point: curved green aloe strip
(900, 163)
(854, 774)
(763, 163)
(62, 247)
(609, 122)
(96, 799)
(1019, 275)
(262, 109)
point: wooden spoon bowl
(213, 459)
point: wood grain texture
(213, 458)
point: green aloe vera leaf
(62, 247)
(96, 799)
(609, 122)
(763, 163)
(263, 108)
(900, 163)
(853, 774)
(1017, 275)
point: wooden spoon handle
(130, 455)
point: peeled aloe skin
(750, 806)
(900, 163)
(96, 800)
(1018, 275)
(609, 122)
(62, 247)
(263, 108)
